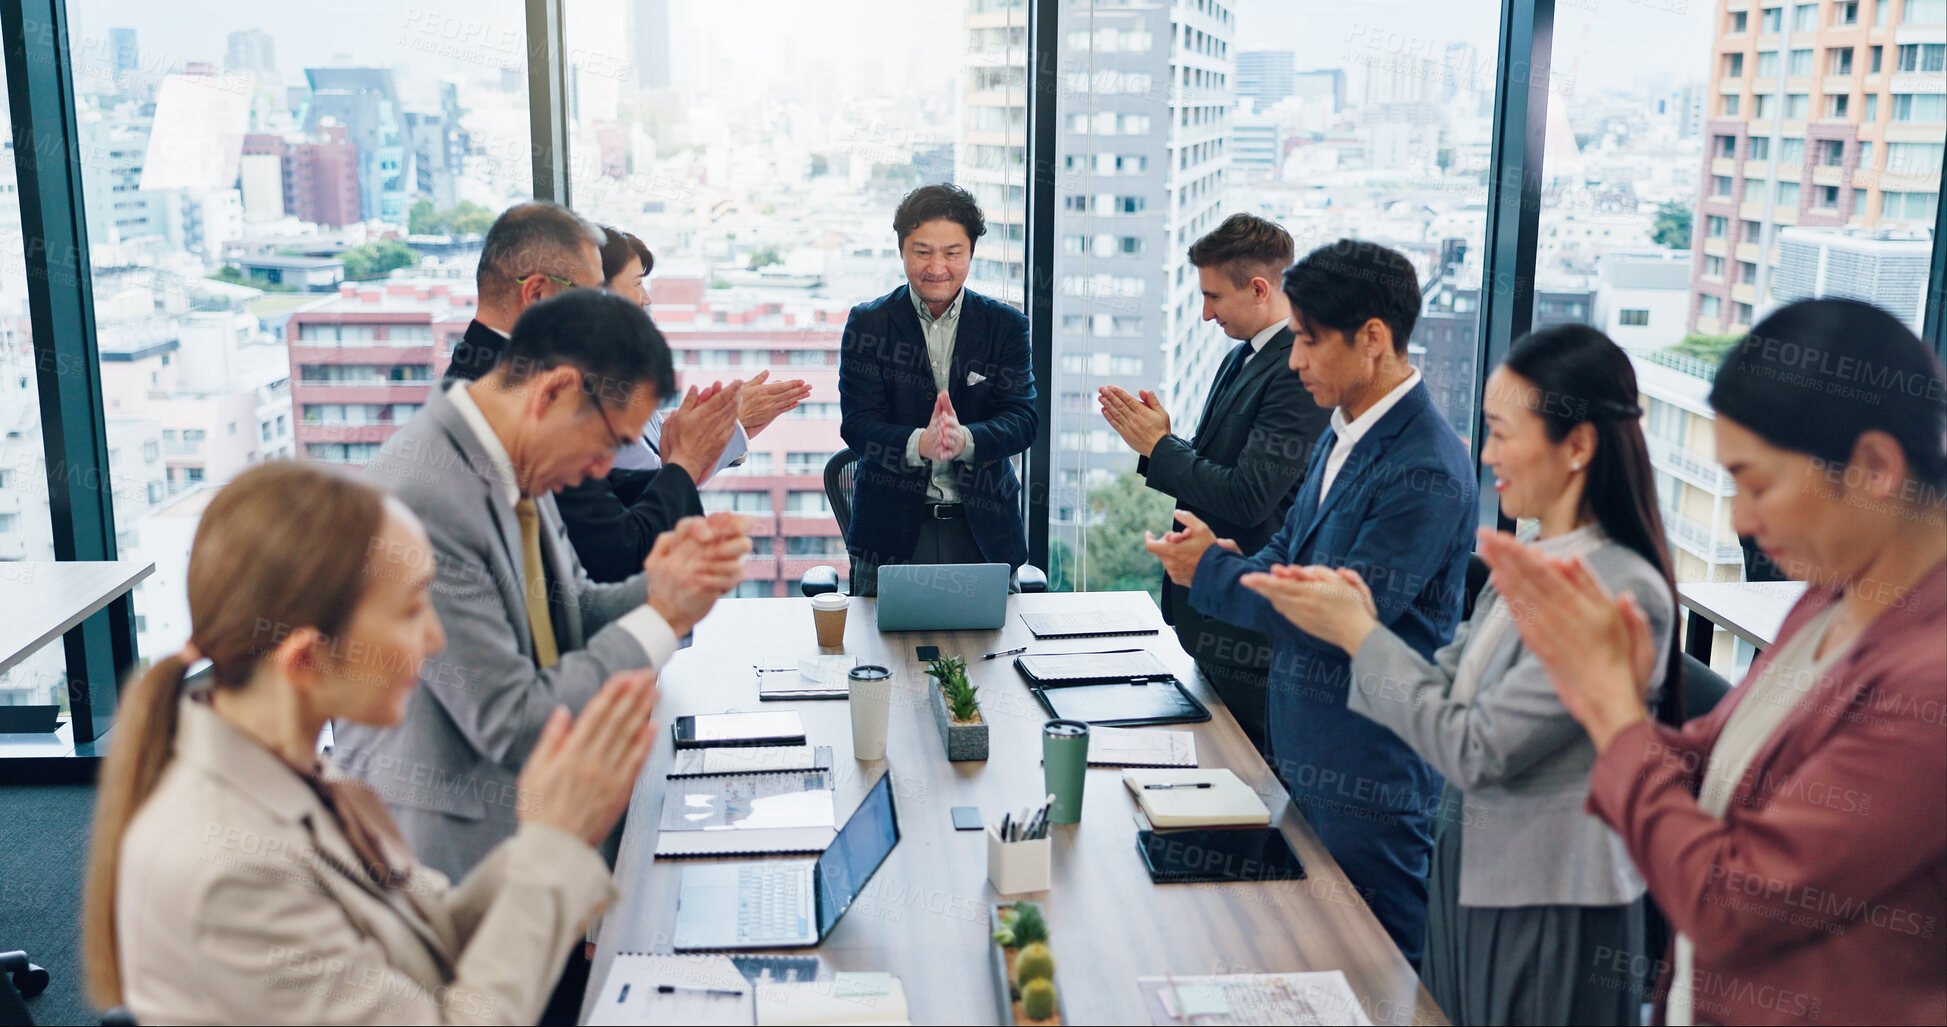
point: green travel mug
(1064, 764)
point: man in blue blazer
(1390, 493)
(936, 393)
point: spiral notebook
(744, 813)
(1087, 624)
(753, 759)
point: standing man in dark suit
(937, 394)
(538, 250)
(1390, 493)
(1239, 471)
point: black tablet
(1227, 855)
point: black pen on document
(671, 989)
(1184, 784)
(1004, 652)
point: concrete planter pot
(964, 742)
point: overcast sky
(1600, 42)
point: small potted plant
(1024, 969)
(957, 711)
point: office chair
(1703, 688)
(841, 481)
(1476, 580)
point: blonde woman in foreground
(237, 877)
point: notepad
(844, 998)
(747, 814)
(1316, 997)
(703, 989)
(1130, 747)
(1087, 624)
(1171, 798)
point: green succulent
(1038, 999)
(1029, 926)
(951, 673)
(1033, 963)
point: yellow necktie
(538, 622)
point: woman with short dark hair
(1794, 837)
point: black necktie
(1226, 375)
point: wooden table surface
(924, 915)
(39, 602)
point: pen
(671, 989)
(1185, 784)
(1004, 652)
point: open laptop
(942, 596)
(786, 903)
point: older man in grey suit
(527, 630)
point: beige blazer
(239, 901)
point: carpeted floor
(43, 856)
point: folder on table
(1196, 798)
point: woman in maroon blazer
(1796, 837)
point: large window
(1677, 198)
(256, 177)
(1249, 110)
(760, 156)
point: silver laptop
(786, 903)
(942, 596)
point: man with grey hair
(533, 251)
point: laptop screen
(862, 844)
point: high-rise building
(366, 102)
(317, 175)
(1142, 169)
(252, 51)
(1886, 267)
(1321, 87)
(1265, 76)
(361, 364)
(1816, 113)
(649, 36)
(127, 56)
(715, 335)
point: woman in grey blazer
(1532, 909)
(237, 877)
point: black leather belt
(943, 511)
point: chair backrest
(1476, 580)
(1703, 688)
(841, 479)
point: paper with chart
(1293, 998)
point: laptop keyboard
(773, 901)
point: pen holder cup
(1018, 867)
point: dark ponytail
(1589, 380)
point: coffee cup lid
(830, 601)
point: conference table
(924, 915)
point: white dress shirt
(1350, 433)
(1261, 339)
(646, 454)
(647, 626)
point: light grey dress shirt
(940, 333)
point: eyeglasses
(556, 279)
(615, 437)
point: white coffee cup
(869, 695)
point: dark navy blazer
(886, 390)
(1402, 513)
